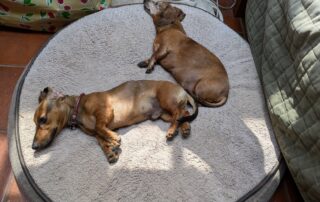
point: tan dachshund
(194, 67)
(99, 113)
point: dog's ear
(44, 93)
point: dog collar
(73, 121)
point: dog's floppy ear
(44, 93)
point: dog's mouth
(151, 6)
(155, 7)
(36, 146)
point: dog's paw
(114, 155)
(114, 141)
(149, 71)
(143, 64)
(114, 144)
(171, 134)
(185, 130)
(117, 139)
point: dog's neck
(72, 105)
(175, 25)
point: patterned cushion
(52, 15)
(48, 15)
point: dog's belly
(186, 78)
(122, 114)
(130, 113)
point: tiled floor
(17, 48)
(20, 46)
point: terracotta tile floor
(20, 46)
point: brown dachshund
(99, 113)
(195, 68)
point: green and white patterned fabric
(285, 41)
(52, 15)
(46, 15)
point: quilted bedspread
(285, 40)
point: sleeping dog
(198, 70)
(99, 113)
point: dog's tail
(213, 104)
(194, 111)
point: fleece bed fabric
(285, 41)
(231, 154)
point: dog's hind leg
(185, 127)
(173, 129)
(166, 117)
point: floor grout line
(12, 66)
(3, 130)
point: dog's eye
(42, 120)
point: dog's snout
(35, 146)
(145, 2)
(146, 5)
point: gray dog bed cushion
(230, 155)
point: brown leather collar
(73, 122)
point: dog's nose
(35, 146)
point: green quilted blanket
(285, 40)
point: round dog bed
(230, 155)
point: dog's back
(197, 69)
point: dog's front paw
(115, 142)
(143, 64)
(113, 155)
(117, 139)
(149, 71)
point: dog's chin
(48, 142)
(41, 147)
